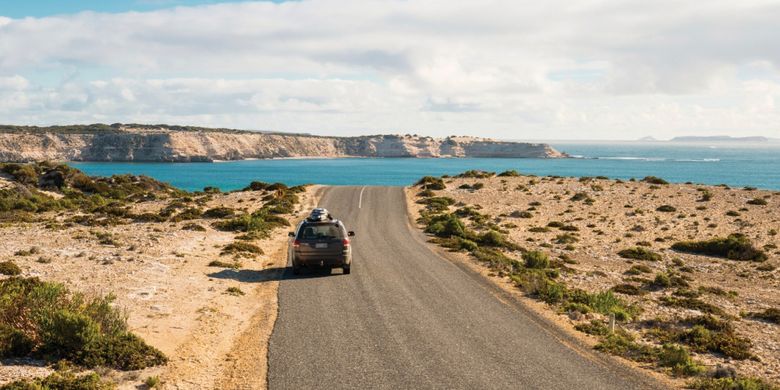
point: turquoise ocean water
(735, 165)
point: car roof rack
(319, 215)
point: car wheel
(346, 269)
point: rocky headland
(162, 143)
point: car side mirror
(291, 234)
(351, 234)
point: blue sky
(39, 8)
(513, 69)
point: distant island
(719, 138)
(166, 143)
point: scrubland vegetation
(645, 252)
(120, 218)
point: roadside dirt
(175, 301)
(624, 215)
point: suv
(320, 240)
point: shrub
(538, 229)
(224, 264)
(242, 248)
(662, 280)
(446, 225)
(679, 360)
(14, 342)
(9, 268)
(61, 380)
(771, 315)
(579, 196)
(256, 186)
(536, 259)
(594, 327)
(476, 174)
(493, 238)
(627, 289)
(65, 325)
(731, 384)
(234, 291)
(639, 253)
(727, 343)
(438, 203)
(666, 208)
(566, 238)
(638, 269)
(621, 343)
(654, 180)
(509, 173)
(757, 202)
(521, 214)
(219, 212)
(193, 227)
(431, 183)
(692, 304)
(735, 247)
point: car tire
(346, 269)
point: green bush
(493, 238)
(679, 360)
(256, 186)
(536, 259)
(735, 247)
(770, 315)
(242, 248)
(61, 380)
(66, 325)
(431, 183)
(14, 342)
(219, 212)
(509, 173)
(666, 208)
(654, 180)
(731, 384)
(622, 344)
(67, 334)
(727, 343)
(437, 203)
(627, 289)
(193, 227)
(639, 253)
(476, 174)
(446, 225)
(757, 202)
(9, 268)
(638, 269)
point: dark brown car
(320, 243)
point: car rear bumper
(324, 261)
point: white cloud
(590, 69)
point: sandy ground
(623, 214)
(159, 274)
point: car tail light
(296, 244)
(345, 242)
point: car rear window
(319, 232)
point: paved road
(407, 318)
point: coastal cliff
(185, 144)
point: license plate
(321, 245)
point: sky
(512, 69)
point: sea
(733, 164)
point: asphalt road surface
(407, 318)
